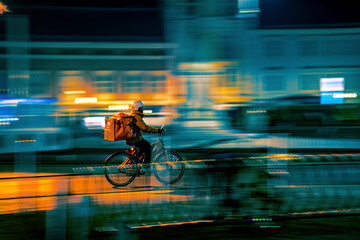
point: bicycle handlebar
(162, 127)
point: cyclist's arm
(145, 128)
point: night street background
(260, 99)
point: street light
(3, 8)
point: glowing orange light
(102, 73)
(3, 8)
(171, 224)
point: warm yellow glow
(104, 72)
(159, 73)
(31, 140)
(133, 72)
(280, 156)
(9, 188)
(171, 224)
(279, 172)
(205, 65)
(19, 76)
(47, 187)
(74, 92)
(330, 211)
(3, 8)
(261, 219)
(71, 72)
(256, 111)
(72, 82)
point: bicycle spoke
(120, 169)
(170, 168)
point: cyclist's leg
(144, 147)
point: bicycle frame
(162, 166)
(133, 152)
(157, 148)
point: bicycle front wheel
(169, 168)
(120, 169)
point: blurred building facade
(259, 62)
(49, 85)
(226, 58)
(209, 60)
(215, 55)
(293, 61)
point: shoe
(144, 168)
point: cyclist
(140, 126)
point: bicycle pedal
(140, 173)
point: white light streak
(119, 107)
(74, 92)
(344, 95)
(94, 122)
(86, 100)
(8, 119)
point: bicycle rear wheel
(120, 169)
(169, 170)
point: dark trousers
(144, 147)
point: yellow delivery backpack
(119, 127)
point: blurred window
(273, 83)
(71, 81)
(39, 84)
(104, 83)
(132, 83)
(24, 137)
(273, 49)
(248, 5)
(191, 8)
(309, 82)
(157, 84)
(309, 48)
(50, 139)
(228, 44)
(3, 82)
(229, 78)
(352, 82)
(341, 47)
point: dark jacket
(140, 126)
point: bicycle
(122, 168)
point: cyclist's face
(141, 109)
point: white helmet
(137, 105)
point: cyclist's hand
(161, 130)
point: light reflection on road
(38, 192)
